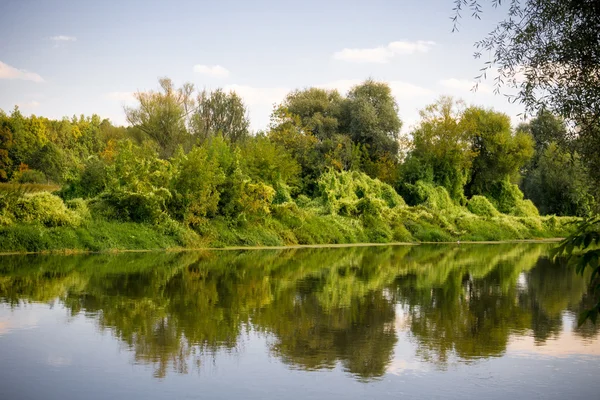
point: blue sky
(60, 58)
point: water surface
(438, 321)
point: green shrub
(29, 176)
(80, 207)
(430, 196)
(46, 209)
(342, 192)
(525, 208)
(480, 205)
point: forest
(330, 168)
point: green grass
(96, 236)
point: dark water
(468, 321)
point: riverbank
(108, 236)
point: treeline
(189, 158)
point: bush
(430, 196)
(126, 206)
(46, 209)
(29, 176)
(525, 208)
(480, 205)
(342, 192)
(80, 207)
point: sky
(65, 58)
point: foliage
(370, 117)
(29, 176)
(480, 205)
(319, 110)
(581, 248)
(559, 185)
(6, 142)
(163, 115)
(44, 208)
(498, 152)
(195, 186)
(557, 179)
(220, 113)
(342, 193)
(442, 144)
(135, 189)
(266, 161)
(508, 199)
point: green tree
(442, 149)
(370, 117)
(221, 113)
(163, 115)
(51, 160)
(6, 142)
(499, 153)
(195, 186)
(559, 183)
(319, 110)
(554, 45)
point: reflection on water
(317, 309)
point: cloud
(216, 70)
(63, 38)
(464, 85)
(123, 97)
(8, 72)
(29, 104)
(259, 95)
(383, 54)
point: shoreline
(68, 252)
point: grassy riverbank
(349, 208)
(298, 227)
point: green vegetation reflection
(318, 308)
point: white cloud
(259, 95)
(464, 85)
(408, 90)
(383, 54)
(121, 96)
(63, 38)
(29, 104)
(8, 72)
(214, 70)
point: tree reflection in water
(317, 307)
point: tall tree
(163, 115)
(319, 110)
(6, 142)
(370, 117)
(222, 113)
(499, 153)
(442, 146)
(549, 50)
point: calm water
(485, 321)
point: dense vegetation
(548, 51)
(330, 169)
